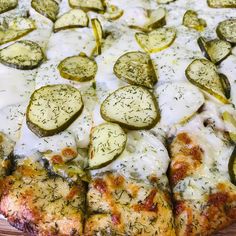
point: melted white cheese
(180, 99)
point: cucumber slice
(7, 5)
(89, 5)
(230, 122)
(191, 20)
(203, 74)
(108, 141)
(226, 85)
(232, 167)
(47, 8)
(157, 18)
(23, 55)
(226, 30)
(136, 68)
(113, 12)
(98, 35)
(78, 68)
(75, 18)
(53, 108)
(16, 29)
(215, 50)
(157, 40)
(221, 3)
(132, 107)
(165, 1)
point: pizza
(118, 117)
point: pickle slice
(78, 68)
(191, 20)
(113, 12)
(108, 141)
(232, 167)
(136, 68)
(157, 40)
(75, 18)
(98, 35)
(53, 108)
(23, 55)
(16, 29)
(226, 30)
(215, 50)
(89, 5)
(132, 107)
(47, 8)
(203, 74)
(221, 3)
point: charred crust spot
(57, 159)
(116, 218)
(73, 192)
(179, 171)
(218, 199)
(184, 138)
(148, 204)
(100, 185)
(116, 181)
(69, 153)
(179, 207)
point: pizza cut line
(118, 119)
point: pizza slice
(42, 204)
(130, 196)
(204, 197)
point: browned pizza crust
(122, 207)
(216, 212)
(186, 157)
(39, 204)
(203, 215)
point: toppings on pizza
(203, 74)
(222, 3)
(47, 8)
(132, 107)
(98, 35)
(7, 5)
(232, 167)
(215, 50)
(75, 18)
(191, 20)
(226, 30)
(226, 85)
(23, 55)
(78, 68)
(136, 68)
(179, 98)
(156, 40)
(89, 5)
(107, 143)
(16, 29)
(53, 108)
